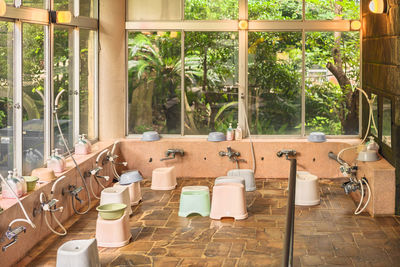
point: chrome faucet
(95, 172)
(229, 153)
(172, 151)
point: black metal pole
(289, 231)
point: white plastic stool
(116, 195)
(163, 178)
(135, 193)
(230, 179)
(307, 189)
(113, 233)
(78, 253)
(248, 176)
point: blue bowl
(317, 137)
(130, 177)
(150, 136)
(216, 137)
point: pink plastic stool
(163, 178)
(228, 200)
(135, 194)
(113, 233)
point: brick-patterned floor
(328, 234)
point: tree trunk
(348, 113)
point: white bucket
(307, 189)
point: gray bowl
(369, 155)
(128, 178)
(317, 137)
(150, 136)
(216, 137)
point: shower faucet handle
(286, 152)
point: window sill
(42, 186)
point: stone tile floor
(325, 235)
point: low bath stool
(195, 188)
(193, 201)
(228, 200)
(78, 253)
(135, 194)
(113, 233)
(307, 189)
(230, 179)
(248, 176)
(163, 178)
(116, 195)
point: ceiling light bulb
(377, 6)
(64, 17)
(3, 7)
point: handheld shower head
(58, 99)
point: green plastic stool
(194, 202)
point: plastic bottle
(24, 186)
(238, 133)
(230, 133)
(81, 147)
(89, 145)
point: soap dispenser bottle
(81, 147)
(55, 162)
(89, 145)
(229, 133)
(238, 133)
(24, 186)
(15, 185)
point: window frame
(302, 25)
(18, 14)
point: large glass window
(6, 97)
(332, 71)
(387, 121)
(274, 82)
(154, 10)
(275, 10)
(154, 62)
(63, 80)
(42, 58)
(87, 83)
(34, 3)
(211, 9)
(33, 96)
(211, 81)
(287, 72)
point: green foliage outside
(275, 73)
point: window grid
(302, 25)
(19, 14)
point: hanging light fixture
(3, 7)
(64, 17)
(378, 6)
(355, 25)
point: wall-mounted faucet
(12, 234)
(172, 151)
(232, 155)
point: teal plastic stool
(194, 202)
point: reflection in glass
(332, 103)
(387, 122)
(332, 9)
(153, 10)
(274, 82)
(6, 98)
(275, 10)
(63, 80)
(87, 83)
(374, 130)
(211, 81)
(33, 96)
(88, 8)
(211, 9)
(154, 82)
(64, 5)
(33, 3)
